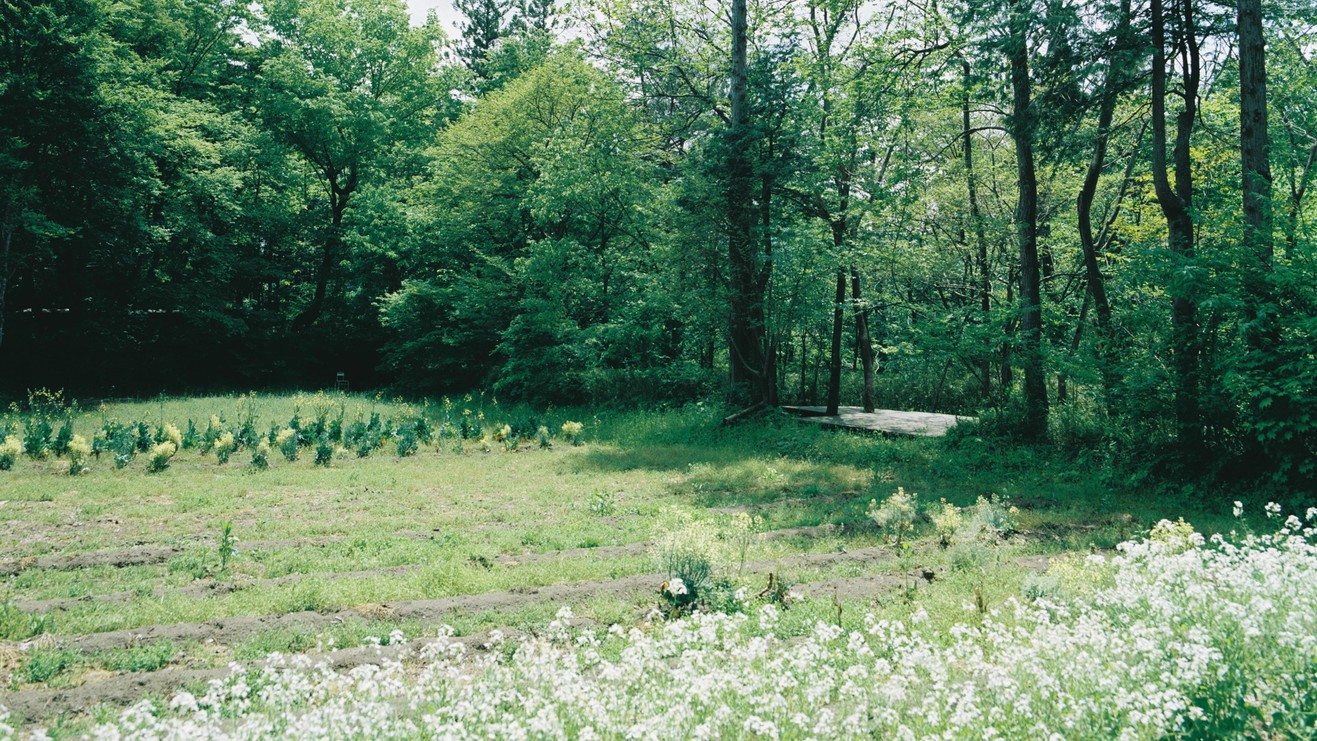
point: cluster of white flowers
(1180, 639)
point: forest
(1085, 222)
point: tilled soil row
(150, 555)
(36, 704)
(228, 630)
(216, 588)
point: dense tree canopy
(1091, 222)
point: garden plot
(141, 584)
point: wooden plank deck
(887, 421)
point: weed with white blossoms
(1213, 639)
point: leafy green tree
(345, 83)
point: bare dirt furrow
(228, 630)
(218, 588)
(145, 555)
(124, 689)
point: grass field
(119, 584)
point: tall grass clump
(1175, 636)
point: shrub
(144, 437)
(171, 434)
(543, 437)
(406, 441)
(214, 428)
(224, 447)
(159, 457)
(79, 451)
(261, 456)
(572, 431)
(324, 452)
(286, 442)
(947, 520)
(10, 449)
(59, 446)
(36, 438)
(992, 521)
(190, 437)
(896, 516)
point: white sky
(447, 15)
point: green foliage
(79, 452)
(261, 456)
(896, 516)
(224, 447)
(10, 450)
(324, 452)
(17, 625)
(159, 457)
(228, 546)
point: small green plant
(214, 428)
(144, 437)
(59, 446)
(228, 546)
(171, 434)
(947, 520)
(261, 456)
(602, 502)
(160, 456)
(224, 447)
(739, 532)
(992, 521)
(511, 440)
(406, 441)
(190, 436)
(44, 664)
(79, 451)
(10, 450)
(36, 438)
(17, 625)
(287, 443)
(543, 438)
(324, 452)
(572, 431)
(896, 516)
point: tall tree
(345, 82)
(483, 23)
(1177, 208)
(1255, 171)
(748, 372)
(1022, 125)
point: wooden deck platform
(886, 421)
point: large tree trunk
(1254, 150)
(1026, 228)
(7, 229)
(862, 338)
(834, 369)
(1117, 74)
(339, 195)
(746, 368)
(1177, 207)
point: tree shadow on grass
(731, 476)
